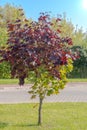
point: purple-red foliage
(33, 44)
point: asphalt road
(73, 92)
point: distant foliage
(7, 13)
(80, 65)
(79, 38)
(5, 70)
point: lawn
(11, 81)
(78, 80)
(15, 81)
(56, 116)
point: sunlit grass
(78, 80)
(12, 81)
(55, 116)
(15, 81)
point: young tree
(37, 47)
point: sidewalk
(73, 92)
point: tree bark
(39, 111)
(21, 81)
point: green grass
(8, 81)
(11, 81)
(77, 80)
(56, 116)
(15, 81)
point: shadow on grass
(25, 125)
(3, 124)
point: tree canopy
(36, 46)
(33, 44)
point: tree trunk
(39, 111)
(21, 81)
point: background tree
(7, 13)
(10, 13)
(79, 38)
(80, 65)
(66, 26)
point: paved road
(73, 92)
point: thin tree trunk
(39, 111)
(21, 81)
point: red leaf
(58, 31)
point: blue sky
(73, 8)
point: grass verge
(11, 81)
(56, 116)
(15, 81)
(77, 80)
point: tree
(37, 47)
(7, 13)
(79, 38)
(80, 64)
(67, 28)
(10, 13)
(5, 72)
